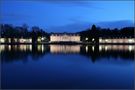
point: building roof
(65, 33)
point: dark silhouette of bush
(96, 32)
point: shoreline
(62, 43)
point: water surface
(67, 66)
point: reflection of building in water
(116, 40)
(5, 47)
(41, 48)
(117, 47)
(64, 37)
(64, 48)
(25, 47)
(2, 48)
(16, 47)
(108, 51)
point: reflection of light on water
(106, 48)
(117, 47)
(15, 47)
(2, 48)
(25, 47)
(100, 48)
(64, 48)
(9, 47)
(93, 48)
(68, 48)
(130, 48)
(40, 48)
(86, 48)
(30, 47)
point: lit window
(42, 38)
(2, 40)
(130, 40)
(100, 40)
(106, 40)
(93, 48)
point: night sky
(67, 15)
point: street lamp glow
(42, 38)
(2, 40)
(86, 38)
(93, 39)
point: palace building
(64, 37)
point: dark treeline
(10, 31)
(96, 32)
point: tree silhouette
(89, 35)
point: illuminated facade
(116, 40)
(16, 40)
(2, 40)
(64, 37)
(23, 40)
(116, 47)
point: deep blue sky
(67, 15)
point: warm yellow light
(42, 38)
(64, 49)
(64, 37)
(86, 48)
(30, 47)
(131, 40)
(130, 48)
(22, 40)
(30, 40)
(39, 40)
(100, 48)
(93, 39)
(93, 48)
(106, 40)
(100, 40)
(106, 48)
(42, 48)
(2, 40)
(86, 38)
(9, 47)
(2, 48)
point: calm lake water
(67, 66)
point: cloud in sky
(74, 2)
(116, 24)
(65, 13)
